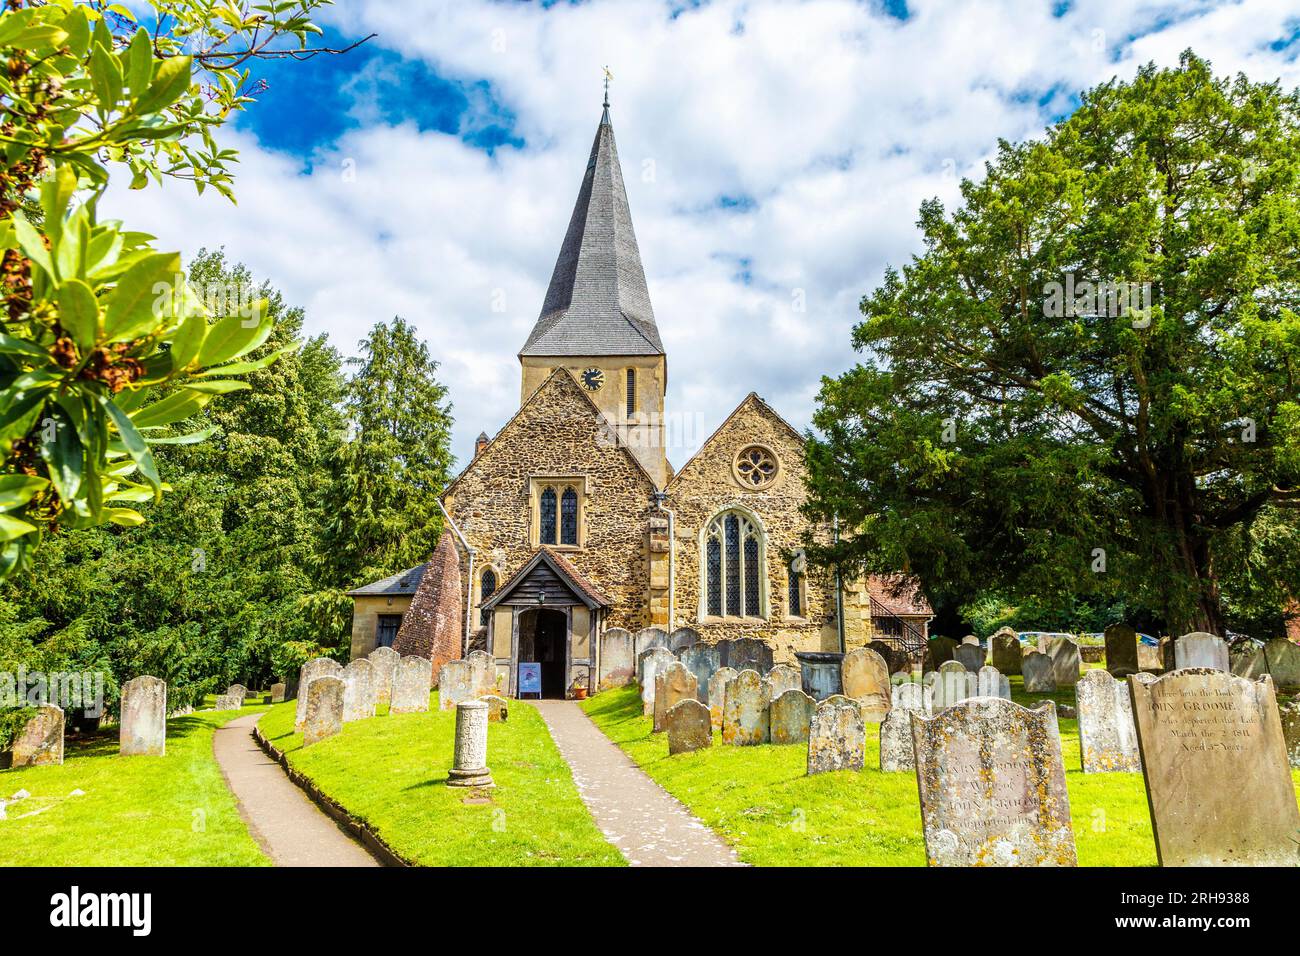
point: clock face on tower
(593, 379)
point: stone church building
(571, 519)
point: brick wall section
(558, 431)
(435, 621)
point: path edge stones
(357, 829)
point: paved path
(286, 824)
(645, 823)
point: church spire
(598, 302)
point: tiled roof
(597, 302)
(571, 576)
(403, 582)
(900, 595)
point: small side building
(378, 609)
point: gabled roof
(598, 302)
(899, 594)
(752, 398)
(403, 582)
(573, 579)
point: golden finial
(608, 76)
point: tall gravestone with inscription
(143, 717)
(1107, 739)
(836, 736)
(315, 668)
(617, 659)
(746, 711)
(673, 684)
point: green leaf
(193, 438)
(176, 407)
(31, 244)
(139, 63)
(13, 346)
(232, 337)
(11, 528)
(130, 309)
(220, 387)
(63, 455)
(188, 339)
(78, 29)
(240, 368)
(79, 312)
(55, 193)
(170, 80)
(17, 490)
(124, 516)
(135, 446)
(14, 22)
(105, 77)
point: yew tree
(1088, 382)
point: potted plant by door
(580, 689)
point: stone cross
(791, 716)
(688, 726)
(1107, 738)
(324, 710)
(470, 768)
(143, 726)
(837, 736)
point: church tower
(597, 320)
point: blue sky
(775, 154)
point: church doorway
(550, 640)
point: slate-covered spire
(597, 302)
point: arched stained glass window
(548, 516)
(713, 564)
(796, 590)
(487, 587)
(569, 517)
(733, 562)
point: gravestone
(1168, 659)
(384, 660)
(649, 664)
(688, 726)
(837, 737)
(238, 690)
(992, 785)
(40, 742)
(1121, 650)
(143, 726)
(648, 638)
(617, 659)
(1005, 646)
(1064, 655)
(411, 685)
(1246, 659)
(970, 656)
(1282, 659)
(498, 708)
(455, 683)
(782, 678)
(358, 690)
(673, 684)
(1150, 657)
(791, 715)
(938, 651)
(482, 673)
(970, 639)
(1040, 676)
(745, 711)
(989, 682)
(683, 638)
(314, 668)
(750, 652)
(324, 710)
(865, 677)
(1200, 649)
(1290, 715)
(896, 751)
(1107, 738)
(953, 686)
(469, 765)
(1216, 771)
(277, 693)
(718, 694)
(228, 702)
(702, 661)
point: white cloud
(836, 120)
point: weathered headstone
(1246, 658)
(358, 690)
(683, 638)
(411, 685)
(1006, 652)
(314, 668)
(228, 702)
(781, 678)
(865, 677)
(702, 661)
(1121, 650)
(277, 693)
(1040, 676)
(749, 652)
(992, 785)
(837, 736)
(324, 710)
(1290, 715)
(718, 694)
(791, 715)
(938, 651)
(649, 664)
(970, 656)
(673, 684)
(143, 727)
(1200, 649)
(498, 708)
(745, 711)
(989, 682)
(688, 726)
(1064, 655)
(648, 638)
(1282, 659)
(1150, 657)
(482, 673)
(455, 683)
(1107, 738)
(238, 690)
(469, 765)
(1215, 766)
(40, 742)
(896, 751)
(617, 659)
(384, 660)
(951, 686)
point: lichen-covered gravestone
(324, 710)
(1215, 766)
(992, 785)
(1121, 650)
(143, 727)
(40, 742)
(238, 690)
(1107, 738)
(411, 685)
(358, 690)
(649, 664)
(1040, 677)
(865, 677)
(673, 685)
(617, 659)
(1006, 652)
(837, 736)
(498, 708)
(745, 712)
(791, 715)
(702, 661)
(718, 694)
(970, 656)
(482, 673)
(384, 660)
(277, 693)
(688, 726)
(1200, 649)
(896, 751)
(469, 765)
(313, 669)
(990, 683)
(1290, 715)
(1066, 663)
(455, 684)
(228, 702)
(782, 678)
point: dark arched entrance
(544, 638)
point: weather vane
(608, 76)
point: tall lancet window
(631, 392)
(734, 564)
(548, 516)
(487, 587)
(569, 517)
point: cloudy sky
(774, 153)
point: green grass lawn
(132, 811)
(390, 771)
(760, 800)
